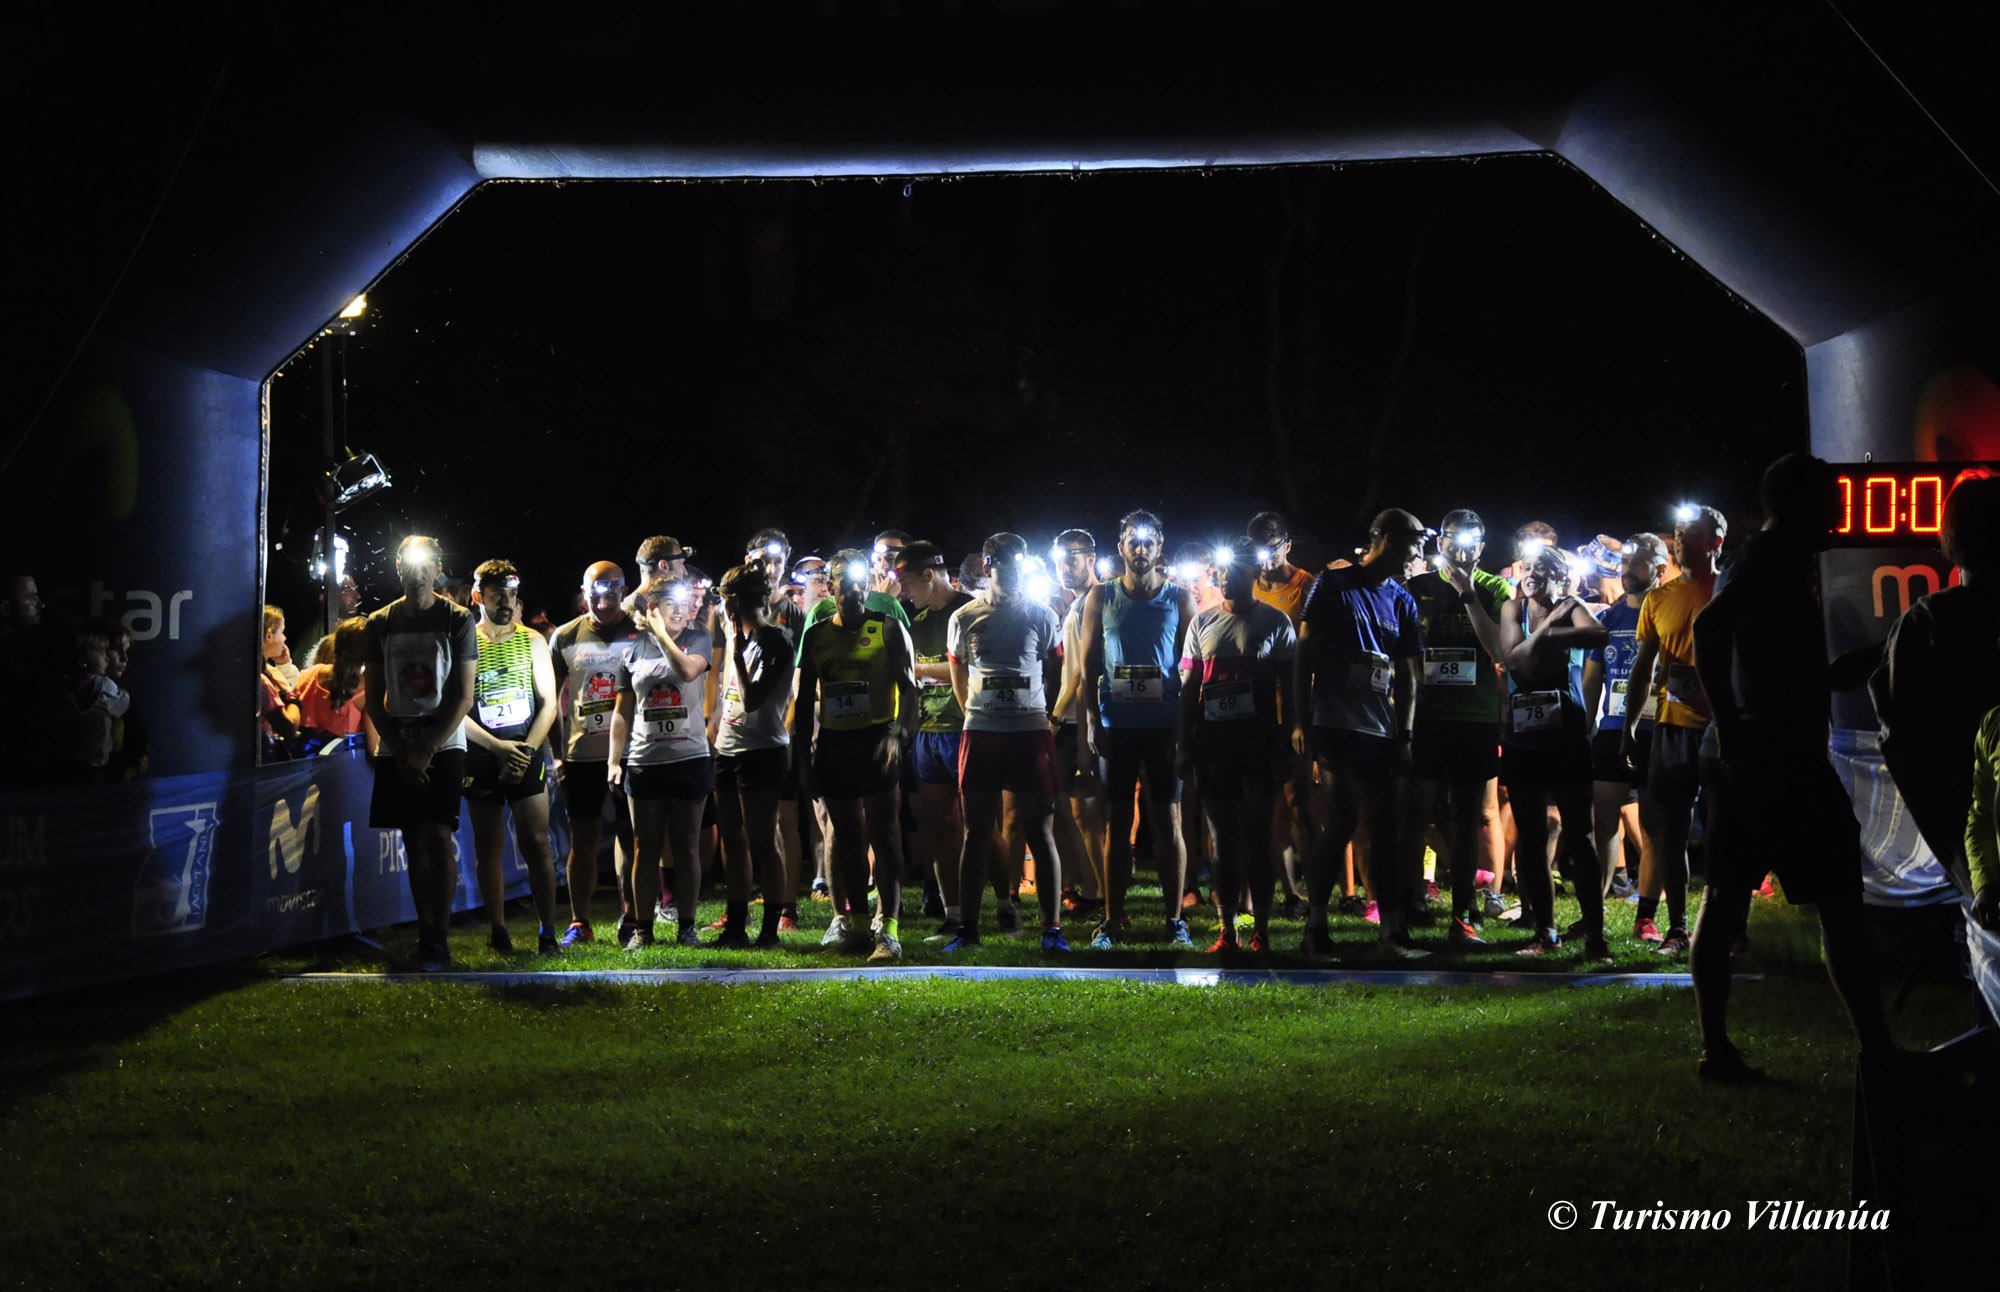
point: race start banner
(112, 882)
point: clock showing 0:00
(1894, 503)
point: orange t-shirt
(1289, 596)
(317, 711)
(1666, 620)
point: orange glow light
(1885, 485)
(1846, 505)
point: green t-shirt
(1459, 684)
(927, 637)
(879, 602)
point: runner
(659, 753)
(856, 676)
(1358, 655)
(940, 834)
(587, 653)
(888, 544)
(1760, 646)
(752, 753)
(1133, 633)
(770, 550)
(1006, 651)
(1238, 664)
(1455, 750)
(1666, 660)
(1545, 742)
(1607, 673)
(1080, 806)
(422, 652)
(1284, 586)
(513, 707)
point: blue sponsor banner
(120, 881)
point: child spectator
(277, 655)
(329, 692)
(131, 738)
(94, 705)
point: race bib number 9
(843, 701)
(1451, 666)
(1537, 710)
(1228, 701)
(1371, 672)
(594, 701)
(1137, 684)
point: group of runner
(879, 717)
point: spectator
(329, 693)
(131, 739)
(94, 705)
(277, 655)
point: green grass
(242, 1131)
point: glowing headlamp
(512, 582)
(1439, 560)
(770, 549)
(1143, 534)
(1106, 567)
(804, 575)
(605, 587)
(857, 571)
(1533, 547)
(1039, 587)
(1224, 554)
(1686, 513)
(1264, 554)
(1467, 539)
(419, 552)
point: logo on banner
(289, 833)
(1903, 576)
(172, 894)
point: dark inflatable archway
(1768, 148)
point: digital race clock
(1894, 504)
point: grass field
(235, 1129)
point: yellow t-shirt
(1666, 620)
(1289, 596)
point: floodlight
(348, 482)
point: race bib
(1646, 711)
(1006, 693)
(595, 700)
(666, 721)
(843, 701)
(1451, 666)
(1537, 710)
(1684, 687)
(1371, 672)
(733, 695)
(505, 711)
(1137, 684)
(1228, 701)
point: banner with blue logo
(120, 881)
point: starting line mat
(1026, 973)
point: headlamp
(1686, 513)
(771, 549)
(604, 587)
(1142, 533)
(1039, 588)
(1106, 567)
(512, 582)
(805, 576)
(1264, 554)
(1533, 547)
(1439, 560)
(1224, 554)
(419, 552)
(1467, 539)
(857, 571)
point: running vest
(503, 691)
(857, 689)
(1141, 684)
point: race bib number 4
(1537, 710)
(1451, 666)
(843, 701)
(1684, 687)
(1228, 701)
(1006, 693)
(1371, 672)
(1137, 684)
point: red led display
(1888, 504)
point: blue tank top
(1549, 713)
(1141, 686)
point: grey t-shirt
(588, 658)
(1003, 646)
(742, 729)
(418, 652)
(669, 724)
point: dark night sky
(559, 370)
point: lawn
(238, 1129)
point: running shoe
(718, 924)
(501, 940)
(433, 955)
(1008, 919)
(731, 939)
(820, 891)
(577, 932)
(788, 921)
(1053, 943)
(1070, 897)
(1225, 944)
(1621, 884)
(1191, 899)
(1432, 893)
(959, 943)
(1463, 934)
(1539, 945)
(1646, 931)
(887, 950)
(688, 936)
(946, 931)
(1373, 914)
(860, 940)
(1100, 939)
(1674, 944)
(1496, 905)
(1260, 944)
(1317, 944)
(1354, 906)
(1178, 936)
(1401, 948)
(1727, 1067)
(836, 932)
(1596, 950)
(1292, 908)
(639, 940)
(767, 937)
(1765, 889)
(933, 901)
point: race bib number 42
(1451, 666)
(1006, 693)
